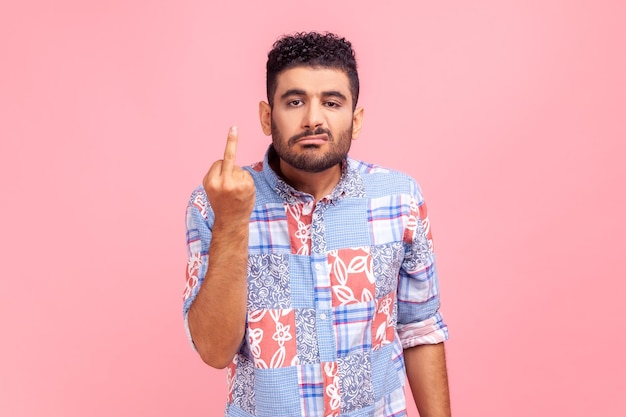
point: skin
(428, 379)
(217, 316)
(312, 124)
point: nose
(313, 117)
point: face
(312, 122)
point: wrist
(231, 226)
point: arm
(428, 379)
(217, 315)
(420, 325)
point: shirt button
(323, 316)
(318, 267)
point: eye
(332, 104)
(294, 103)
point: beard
(311, 159)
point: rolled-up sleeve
(198, 219)
(419, 319)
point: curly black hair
(311, 49)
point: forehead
(313, 80)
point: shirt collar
(350, 183)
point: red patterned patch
(200, 203)
(382, 324)
(193, 266)
(423, 213)
(230, 379)
(272, 337)
(351, 275)
(258, 167)
(299, 218)
(412, 222)
(332, 396)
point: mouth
(312, 140)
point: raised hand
(230, 188)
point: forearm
(217, 316)
(428, 379)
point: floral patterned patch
(268, 281)
(193, 266)
(383, 328)
(387, 260)
(356, 382)
(271, 335)
(241, 387)
(351, 275)
(332, 395)
(299, 217)
(306, 336)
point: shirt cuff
(428, 332)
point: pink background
(510, 114)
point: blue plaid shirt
(337, 288)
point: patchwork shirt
(337, 288)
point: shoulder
(380, 179)
(257, 170)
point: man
(311, 275)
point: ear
(265, 116)
(357, 122)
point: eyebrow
(299, 92)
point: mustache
(306, 133)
